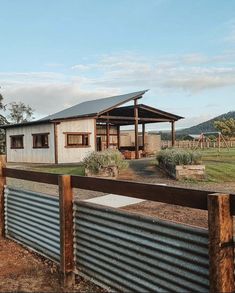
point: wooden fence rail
(220, 208)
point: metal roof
(98, 107)
(94, 107)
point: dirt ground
(143, 171)
(24, 271)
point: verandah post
(221, 246)
(66, 230)
(2, 183)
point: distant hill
(207, 126)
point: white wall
(73, 155)
(28, 154)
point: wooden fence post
(221, 246)
(66, 230)
(2, 183)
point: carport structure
(136, 114)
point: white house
(69, 135)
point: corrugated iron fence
(120, 250)
(129, 252)
(33, 219)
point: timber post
(221, 245)
(2, 183)
(136, 129)
(172, 133)
(118, 137)
(66, 231)
(143, 136)
(107, 133)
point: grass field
(220, 166)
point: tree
(226, 127)
(2, 107)
(19, 112)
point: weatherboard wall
(74, 154)
(29, 154)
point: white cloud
(48, 92)
(49, 97)
(179, 73)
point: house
(69, 135)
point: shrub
(172, 157)
(95, 161)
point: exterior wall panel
(74, 154)
(29, 154)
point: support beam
(172, 133)
(107, 134)
(140, 119)
(2, 184)
(143, 136)
(136, 129)
(95, 134)
(118, 137)
(56, 141)
(221, 245)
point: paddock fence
(191, 144)
(122, 251)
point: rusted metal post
(66, 230)
(221, 246)
(136, 129)
(2, 183)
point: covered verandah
(108, 124)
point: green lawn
(68, 170)
(220, 166)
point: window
(40, 140)
(17, 141)
(77, 139)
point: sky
(55, 54)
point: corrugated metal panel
(33, 219)
(93, 106)
(130, 252)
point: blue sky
(58, 53)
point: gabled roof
(94, 107)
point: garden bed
(181, 164)
(104, 164)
